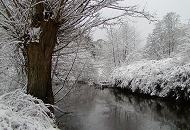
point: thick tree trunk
(39, 63)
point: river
(108, 109)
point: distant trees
(185, 46)
(39, 28)
(167, 35)
(123, 41)
(120, 47)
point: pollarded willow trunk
(39, 63)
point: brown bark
(38, 16)
(39, 63)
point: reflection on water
(110, 110)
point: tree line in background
(170, 37)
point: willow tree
(41, 27)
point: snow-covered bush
(164, 78)
(19, 111)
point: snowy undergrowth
(164, 78)
(19, 111)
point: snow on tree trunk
(39, 61)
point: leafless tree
(123, 41)
(167, 35)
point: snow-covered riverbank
(165, 78)
(19, 111)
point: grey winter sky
(160, 7)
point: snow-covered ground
(164, 78)
(19, 111)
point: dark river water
(95, 109)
